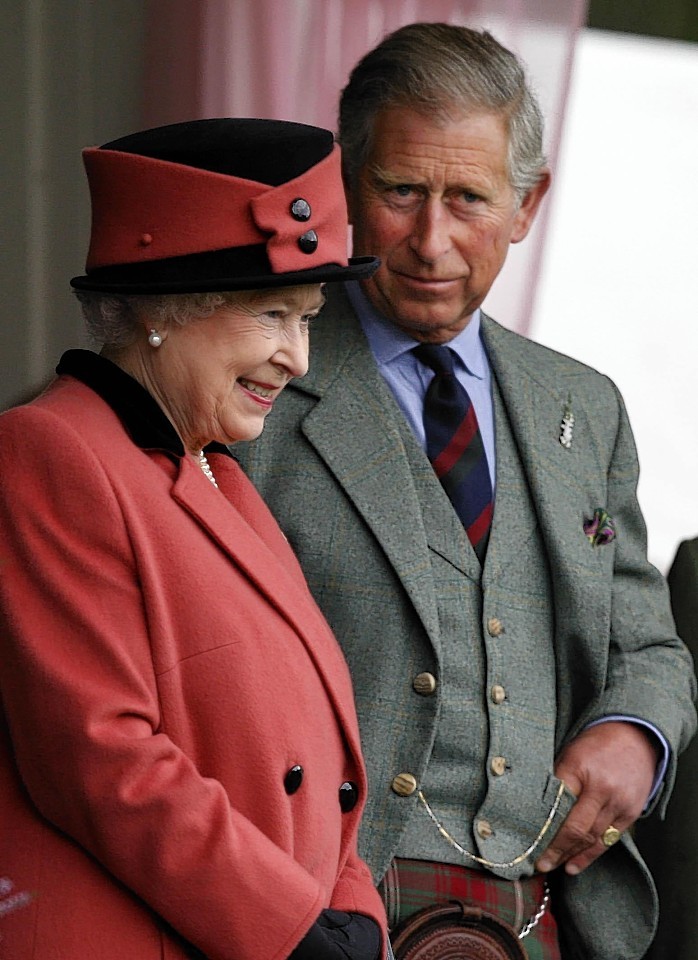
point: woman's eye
(272, 318)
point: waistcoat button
(495, 627)
(424, 684)
(404, 784)
(484, 829)
(498, 765)
(498, 694)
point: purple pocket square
(601, 529)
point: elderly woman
(180, 770)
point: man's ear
(526, 214)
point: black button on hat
(293, 779)
(300, 209)
(308, 242)
(348, 796)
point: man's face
(434, 202)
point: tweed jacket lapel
(559, 478)
(353, 400)
(515, 519)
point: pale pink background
(289, 59)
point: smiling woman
(220, 359)
(177, 730)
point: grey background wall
(71, 76)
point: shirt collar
(139, 412)
(388, 342)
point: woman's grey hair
(442, 70)
(116, 320)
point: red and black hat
(225, 204)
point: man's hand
(610, 768)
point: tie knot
(437, 356)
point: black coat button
(300, 209)
(293, 779)
(308, 242)
(348, 796)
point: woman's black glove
(340, 936)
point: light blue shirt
(408, 380)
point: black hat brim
(126, 280)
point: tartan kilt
(411, 885)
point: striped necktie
(454, 445)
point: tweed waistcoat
(496, 728)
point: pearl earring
(154, 338)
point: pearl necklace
(204, 464)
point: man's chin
(423, 324)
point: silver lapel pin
(567, 424)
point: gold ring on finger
(610, 836)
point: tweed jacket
(669, 846)
(164, 669)
(334, 466)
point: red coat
(163, 669)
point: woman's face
(217, 378)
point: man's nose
(431, 234)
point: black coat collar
(139, 412)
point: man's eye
(463, 202)
(402, 196)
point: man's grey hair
(442, 71)
(116, 320)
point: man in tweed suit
(533, 705)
